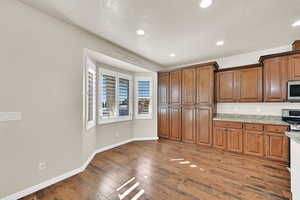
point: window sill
(112, 121)
(143, 117)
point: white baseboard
(108, 147)
(52, 181)
(144, 138)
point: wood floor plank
(201, 173)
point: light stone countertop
(257, 119)
(295, 136)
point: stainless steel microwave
(294, 91)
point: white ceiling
(181, 26)
(101, 58)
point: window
(90, 94)
(114, 96)
(143, 104)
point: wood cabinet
(275, 79)
(228, 136)
(204, 126)
(294, 68)
(235, 140)
(276, 146)
(220, 137)
(163, 88)
(243, 84)
(226, 89)
(175, 87)
(254, 143)
(175, 123)
(188, 86)
(268, 141)
(188, 124)
(163, 122)
(186, 104)
(205, 85)
(249, 85)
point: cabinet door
(275, 79)
(226, 91)
(175, 123)
(205, 85)
(163, 88)
(188, 86)
(254, 143)
(235, 140)
(276, 146)
(220, 138)
(204, 125)
(163, 122)
(188, 125)
(175, 87)
(294, 67)
(250, 85)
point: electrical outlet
(117, 134)
(42, 166)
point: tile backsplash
(255, 108)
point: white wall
(255, 108)
(148, 127)
(41, 76)
(109, 134)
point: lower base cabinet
(220, 137)
(163, 122)
(204, 126)
(175, 123)
(188, 124)
(268, 141)
(254, 143)
(235, 140)
(276, 146)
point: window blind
(144, 97)
(123, 94)
(108, 96)
(91, 93)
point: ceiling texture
(182, 27)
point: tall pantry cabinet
(186, 104)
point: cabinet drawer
(254, 127)
(276, 128)
(228, 124)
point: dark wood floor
(210, 175)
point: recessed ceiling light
(297, 23)
(220, 43)
(172, 55)
(140, 32)
(205, 3)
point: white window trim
(143, 116)
(90, 67)
(115, 118)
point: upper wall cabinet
(205, 85)
(240, 85)
(163, 91)
(226, 89)
(175, 87)
(188, 86)
(249, 84)
(275, 79)
(294, 67)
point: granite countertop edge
(295, 136)
(275, 120)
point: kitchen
(226, 108)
